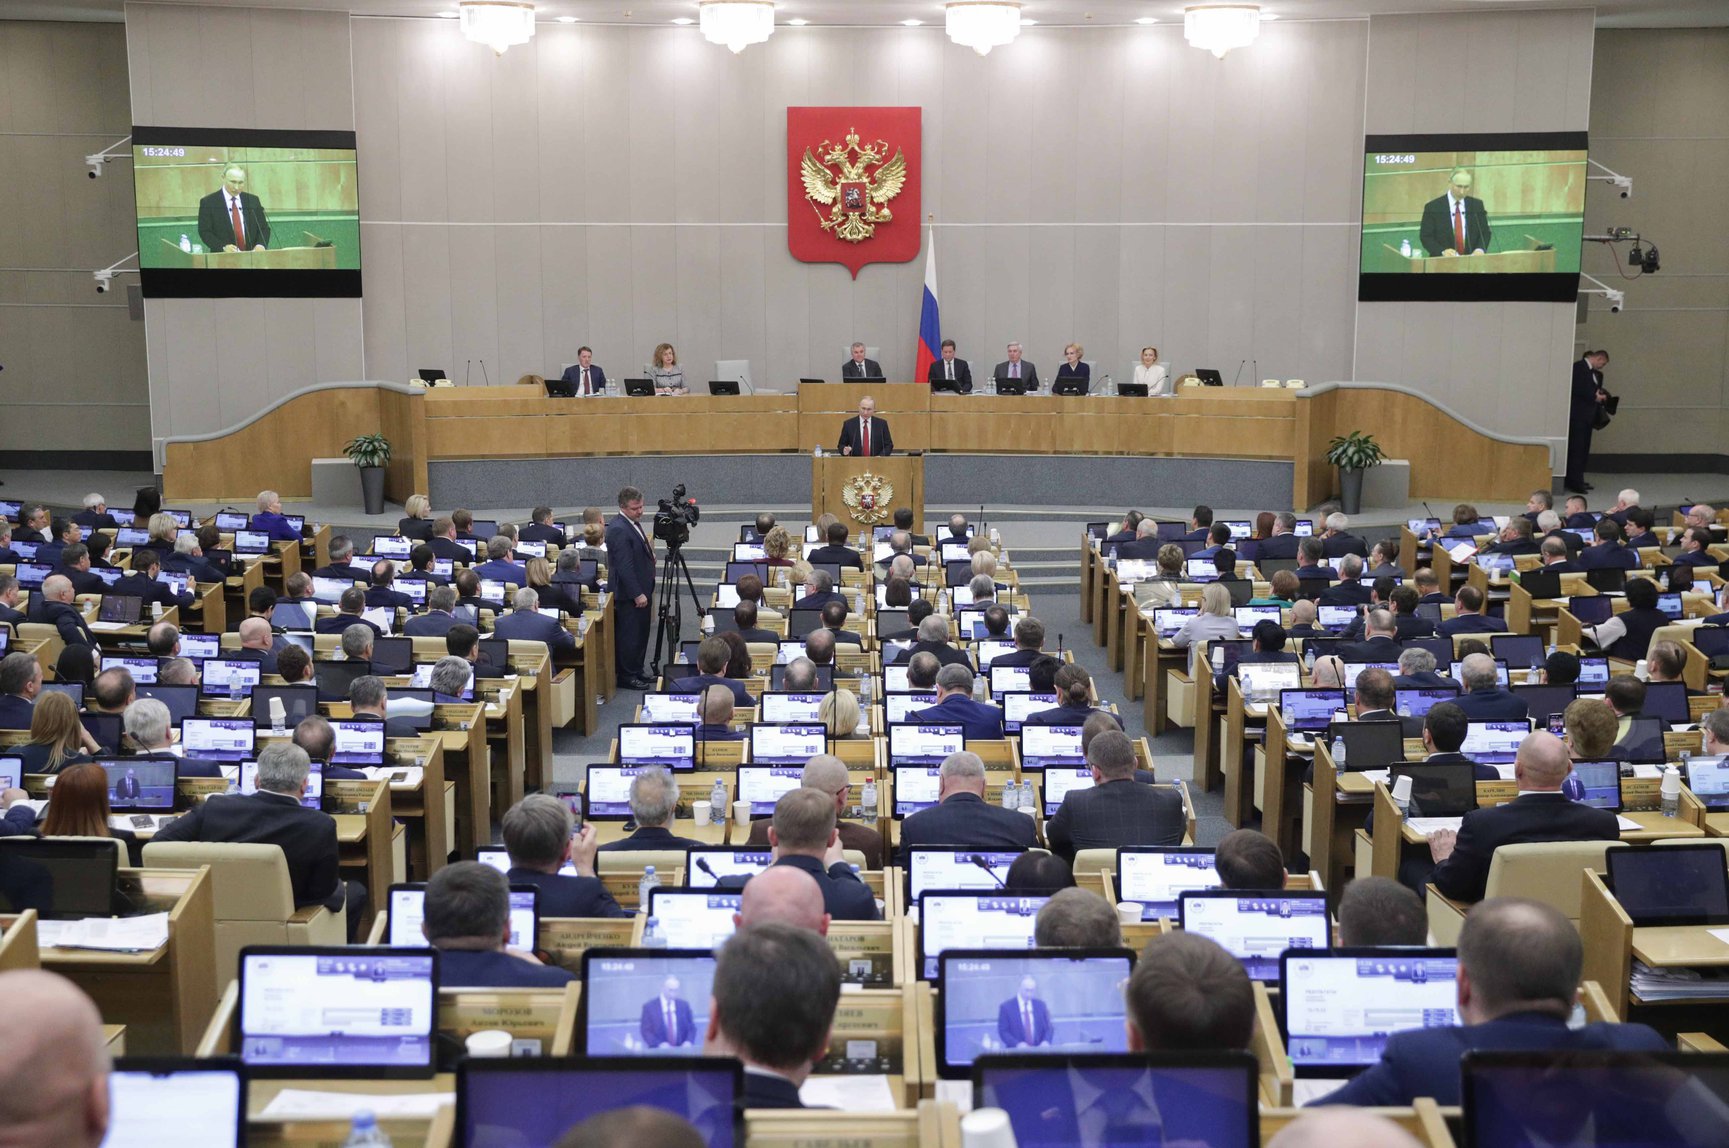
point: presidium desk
(508, 446)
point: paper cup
(489, 1042)
(703, 811)
(1129, 912)
(741, 812)
(987, 1128)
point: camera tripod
(670, 609)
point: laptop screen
(919, 743)
(358, 742)
(1438, 789)
(1262, 681)
(361, 1012)
(1175, 1098)
(608, 791)
(141, 669)
(140, 784)
(1593, 672)
(764, 785)
(201, 646)
(298, 701)
(528, 1101)
(1667, 701)
(704, 867)
(1674, 885)
(639, 1004)
(1708, 778)
(1010, 679)
(781, 706)
(673, 746)
(1494, 742)
(11, 772)
(1060, 781)
(230, 678)
(1602, 782)
(1339, 1007)
(408, 910)
(150, 1101)
(1156, 876)
(900, 707)
(1043, 746)
(1335, 617)
(217, 739)
(1167, 620)
(694, 918)
(1625, 1099)
(956, 867)
(1257, 927)
(1018, 707)
(1047, 1002)
(786, 744)
(668, 709)
(915, 788)
(1308, 711)
(79, 879)
(1418, 703)
(973, 920)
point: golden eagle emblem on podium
(867, 498)
(855, 183)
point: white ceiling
(1610, 13)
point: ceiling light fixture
(1217, 28)
(1146, 20)
(911, 23)
(568, 19)
(797, 23)
(498, 24)
(683, 21)
(982, 24)
(736, 23)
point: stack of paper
(112, 934)
(1649, 984)
(1428, 825)
(304, 1104)
(414, 775)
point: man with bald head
(257, 644)
(785, 895)
(57, 610)
(53, 1064)
(962, 816)
(1541, 812)
(828, 774)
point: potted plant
(370, 452)
(1353, 454)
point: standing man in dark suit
(630, 569)
(804, 836)
(585, 379)
(1541, 812)
(1455, 223)
(1024, 1020)
(1014, 367)
(666, 1020)
(859, 367)
(864, 433)
(232, 218)
(962, 816)
(1115, 811)
(949, 373)
(537, 834)
(1585, 396)
(784, 972)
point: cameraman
(630, 576)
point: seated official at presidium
(864, 433)
(232, 218)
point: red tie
(867, 437)
(1459, 227)
(239, 228)
(585, 387)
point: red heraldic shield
(852, 185)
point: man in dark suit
(1350, 590)
(10, 594)
(804, 835)
(1024, 1020)
(1417, 672)
(348, 613)
(444, 545)
(524, 623)
(341, 550)
(819, 591)
(540, 526)
(1515, 538)
(438, 619)
(955, 705)
(1375, 701)
(1468, 616)
(20, 682)
(467, 919)
(463, 641)
(537, 835)
(653, 801)
(274, 816)
(904, 522)
(1029, 643)
(382, 593)
(75, 567)
(1455, 223)
(141, 583)
(585, 379)
(949, 373)
(1282, 545)
(962, 816)
(1554, 551)
(1310, 553)
(711, 658)
(1337, 540)
(1609, 553)
(858, 367)
(57, 610)
(744, 617)
(781, 971)
(1483, 699)
(834, 616)
(499, 565)
(127, 787)
(187, 557)
(836, 551)
(864, 433)
(1146, 544)
(934, 639)
(1381, 645)
(368, 697)
(630, 568)
(828, 775)
(1541, 812)
(1585, 394)
(232, 218)
(1115, 811)
(1444, 730)
(1015, 367)
(1518, 979)
(666, 1020)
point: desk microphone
(986, 866)
(468, 373)
(484, 374)
(702, 863)
(1239, 377)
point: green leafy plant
(1355, 451)
(368, 450)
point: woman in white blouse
(1150, 372)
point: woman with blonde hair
(665, 373)
(78, 807)
(1216, 620)
(1151, 373)
(1073, 367)
(1163, 588)
(840, 712)
(776, 544)
(416, 522)
(57, 738)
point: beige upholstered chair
(254, 899)
(1547, 871)
(1090, 862)
(629, 860)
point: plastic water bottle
(1670, 791)
(981, 688)
(648, 883)
(186, 243)
(717, 803)
(866, 686)
(858, 602)
(364, 1132)
(1338, 753)
(1028, 798)
(1308, 658)
(1405, 248)
(1010, 799)
(652, 937)
(868, 800)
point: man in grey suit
(1115, 811)
(1014, 367)
(859, 367)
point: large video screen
(1473, 217)
(243, 212)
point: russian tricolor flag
(930, 325)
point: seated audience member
(1468, 616)
(341, 552)
(1444, 730)
(819, 646)
(54, 1065)
(1310, 567)
(1403, 601)
(819, 591)
(273, 815)
(368, 697)
(57, 738)
(382, 593)
(1519, 966)
(526, 624)
(1216, 619)
(744, 616)
(982, 720)
(538, 837)
(1557, 558)
(10, 592)
(840, 714)
(1077, 919)
(499, 565)
(80, 809)
(1036, 873)
(828, 775)
(800, 676)
(962, 816)
(918, 609)
(1349, 590)
(1339, 541)
(774, 996)
(1284, 586)
(150, 728)
(1384, 560)
(653, 802)
(294, 665)
(1417, 672)
(57, 608)
(178, 672)
(1187, 994)
(416, 522)
(1609, 552)
(468, 921)
(1246, 859)
(1628, 634)
(463, 641)
(1428, 587)
(785, 895)
(1074, 690)
(716, 709)
(1483, 699)
(1560, 669)
(1667, 663)
(257, 644)
(738, 663)
(1375, 699)
(1380, 642)
(1694, 540)
(349, 610)
(77, 664)
(1514, 538)
(314, 734)
(640, 1126)
(803, 835)
(1541, 812)
(933, 639)
(1115, 811)
(836, 551)
(1267, 645)
(1338, 1128)
(712, 655)
(1375, 912)
(1303, 618)
(834, 617)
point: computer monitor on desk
(1209, 377)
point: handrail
(399, 388)
(1313, 389)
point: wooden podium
(316, 255)
(1536, 259)
(887, 481)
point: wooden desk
(366, 839)
(424, 807)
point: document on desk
(1627, 823)
(412, 775)
(111, 934)
(848, 1093)
(305, 1104)
(1427, 826)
